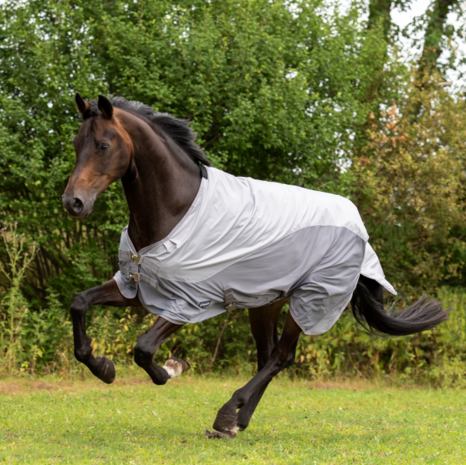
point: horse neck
(160, 186)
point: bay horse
(200, 242)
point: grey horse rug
(246, 243)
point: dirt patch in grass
(353, 385)
(362, 384)
(25, 386)
(29, 387)
(132, 381)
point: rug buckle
(135, 258)
(134, 276)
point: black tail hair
(367, 305)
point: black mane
(177, 129)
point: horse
(182, 236)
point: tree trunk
(434, 35)
(379, 13)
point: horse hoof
(225, 423)
(106, 371)
(218, 435)
(185, 366)
(185, 363)
(175, 366)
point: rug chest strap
(138, 277)
(128, 256)
(137, 260)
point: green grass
(134, 421)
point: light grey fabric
(264, 241)
(318, 266)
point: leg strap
(230, 303)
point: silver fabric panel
(124, 255)
(324, 293)
(128, 288)
(317, 266)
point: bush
(409, 187)
(13, 305)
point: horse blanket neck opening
(254, 241)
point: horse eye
(104, 147)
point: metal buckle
(134, 276)
(230, 307)
(135, 258)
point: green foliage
(43, 344)
(408, 182)
(13, 306)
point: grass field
(133, 421)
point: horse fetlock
(239, 399)
(83, 354)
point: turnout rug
(245, 243)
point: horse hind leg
(263, 321)
(226, 422)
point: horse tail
(367, 305)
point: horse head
(103, 155)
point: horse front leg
(147, 346)
(106, 294)
(226, 423)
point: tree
(434, 37)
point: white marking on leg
(173, 368)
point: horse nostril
(78, 205)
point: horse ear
(82, 105)
(105, 107)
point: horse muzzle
(78, 206)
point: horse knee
(79, 304)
